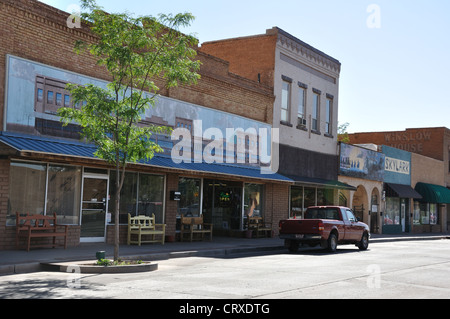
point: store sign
(397, 166)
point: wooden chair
(39, 226)
(259, 226)
(195, 225)
(145, 226)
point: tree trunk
(116, 216)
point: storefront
(363, 168)
(315, 193)
(397, 191)
(52, 176)
(224, 203)
(430, 211)
(47, 169)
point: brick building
(45, 169)
(306, 89)
(430, 172)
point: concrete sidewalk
(21, 261)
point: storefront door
(222, 205)
(94, 207)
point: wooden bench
(259, 226)
(195, 225)
(145, 226)
(39, 226)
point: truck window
(322, 213)
(350, 216)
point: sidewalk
(21, 261)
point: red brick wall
(35, 31)
(277, 204)
(171, 206)
(248, 56)
(6, 233)
(38, 32)
(425, 141)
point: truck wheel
(364, 243)
(293, 246)
(332, 243)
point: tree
(342, 133)
(135, 51)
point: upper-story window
(285, 101)
(301, 113)
(329, 116)
(315, 116)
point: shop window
(189, 204)
(392, 214)
(29, 183)
(253, 196)
(151, 196)
(141, 194)
(63, 193)
(310, 197)
(325, 197)
(128, 197)
(296, 201)
(26, 190)
(425, 213)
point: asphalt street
(388, 270)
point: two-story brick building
(45, 169)
(306, 89)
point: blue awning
(53, 146)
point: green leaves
(136, 51)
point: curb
(220, 252)
(384, 240)
(87, 267)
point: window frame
(329, 116)
(315, 114)
(301, 111)
(285, 107)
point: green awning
(433, 193)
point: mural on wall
(36, 91)
(361, 163)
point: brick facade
(38, 32)
(432, 142)
(35, 31)
(261, 48)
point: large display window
(39, 188)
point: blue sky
(395, 74)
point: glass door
(93, 208)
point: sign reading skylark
(397, 166)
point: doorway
(94, 207)
(222, 205)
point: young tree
(342, 133)
(135, 51)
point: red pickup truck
(327, 226)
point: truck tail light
(321, 226)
